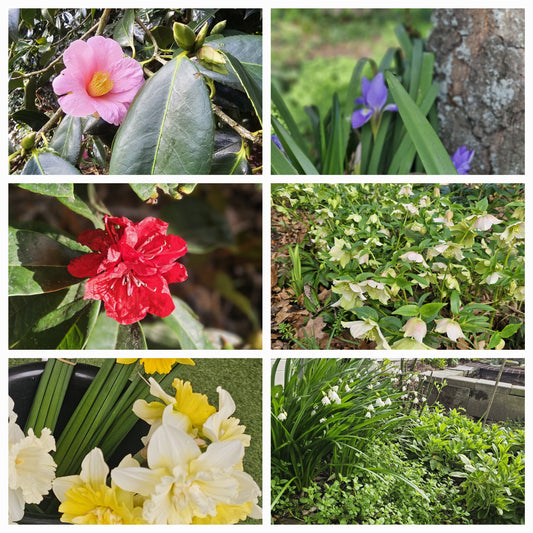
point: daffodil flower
(182, 485)
(159, 365)
(87, 499)
(31, 468)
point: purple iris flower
(461, 159)
(275, 140)
(374, 98)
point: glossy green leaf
(67, 139)
(123, 32)
(247, 49)
(249, 83)
(38, 263)
(169, 126)
(429, 147)
(45, 163)
(189, 331)
(34, 119)
(509, 330)
(108, 334)
(203, 228)
(229, 157)
(36, 323)
(64, 190)
(146, 191)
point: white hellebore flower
(182, 484)
(413, 257)
(31, 468)
(415, 328)
(450, 327)
(367, 329)
(484, 222)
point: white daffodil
(450, 327)
(182, 485)
(87, 499)
(31, 468)
(221, 426)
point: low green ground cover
(375, 453)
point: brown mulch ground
(285, 308)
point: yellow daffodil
(87, 499)
(186, 403)
(154, 364)
(182, 485)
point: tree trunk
(479, 59)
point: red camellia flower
(130, 267)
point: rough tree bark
(479, 59)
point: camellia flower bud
(212, 59)
(200, 38)
(184, 36)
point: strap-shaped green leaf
(429, 147)
(169, 126)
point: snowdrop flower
(370, 386)
(388, 401)
(370, 408)
(368, 414)
(334, 397)
(182, 485)
(31, 468)
(346, 388)
(282, 416)
(415, 401)
(415, 328)
(380, 402)
(450, 327)
(325, 400)
(322, 420)
(313, 413)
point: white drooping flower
(367, 329)
(450, 327)
(415, 328)
(31, 468)
(282, 416)
(334, 397)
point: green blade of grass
(278, 161)
(429, 147)
(298, 158)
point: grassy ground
(315, 50)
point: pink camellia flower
(130, 267)
(97, 79)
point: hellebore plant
(130, 267)
(98, 80)
(374, 99)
